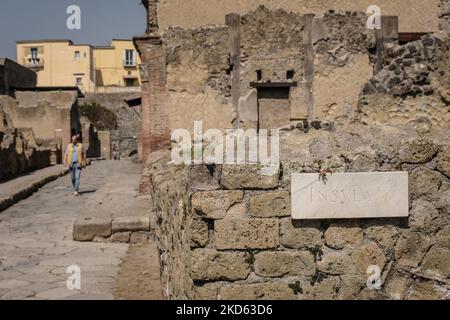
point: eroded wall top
(414, 16)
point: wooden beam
(308, 64)
(233, 21)
(387, 33)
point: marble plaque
(349, 195)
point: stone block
(437, 263)
(425, 290)
(249, 176)
(425, 217)
(215, 204)
(207, 291)
(338, 237)
(246, 234)
(336, 263)
(270, 204)
(88, 229)
(284, 263)
(423, 181)
(417, 150)
(131, 224)
(351, 286)
(443, 161)
(443, 237)
(322, 290)
(410, 248)
(386, 236)
(121, 237)
(212, 265)
(139, 237)
(257, 291)
(199, 233)
(367, 255)
(297, 235)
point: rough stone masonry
(226, 232)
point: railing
(129, 63)
(30, 62)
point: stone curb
(121, 229)
(24, 193)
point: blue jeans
(75, 173)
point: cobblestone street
(36, 245)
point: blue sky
(101, 21)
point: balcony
(129, 64)
(33, 63)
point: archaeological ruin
(275, 150)
(346, 99)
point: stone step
(130, 229)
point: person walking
(75, 160)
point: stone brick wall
(226, 232)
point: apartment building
(61, 63)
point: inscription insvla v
(350, 195)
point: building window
(77, 55)
(130, 83)
(130, 59)
(34, 55)
(78, 81)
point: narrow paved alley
(36, 246)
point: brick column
(155, 133)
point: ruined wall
(226, 232)
(49, 114)
(414, 16)
(414, 84)
(13, 75)
(272, 50)
(124, 139)
(19, 152)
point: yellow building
(61, 63)
(117, 66)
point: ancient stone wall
(124, 139)
(51, 115)
(414, 16)
(226, 232)
(19, 152)
(13, 75)
(272, 50)
(413, 84)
